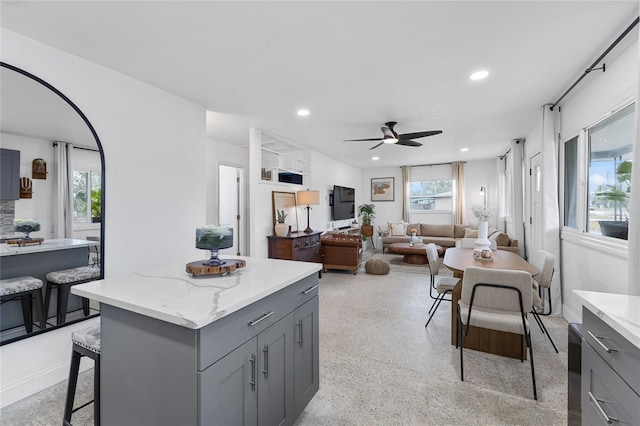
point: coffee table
(414, 255)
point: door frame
(243, 238)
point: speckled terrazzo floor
(380, 366)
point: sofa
(443, 235)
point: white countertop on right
(620, 311)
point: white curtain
(458, 177)
(634, 211)
(406, 199)
(63, 186)
(550, 209)
(502, 196)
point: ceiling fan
(391, 137)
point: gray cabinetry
(10, 174)
(246, 368)
(610, 375)
(306, 352)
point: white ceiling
(354, 65)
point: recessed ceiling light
(479, 75)
(303, 112)
(464, 149)
(375, 158)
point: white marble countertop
(171, 294)
(620, 311)
(47, 245)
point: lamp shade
(308, 197)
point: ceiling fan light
(390, 140)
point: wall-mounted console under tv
(343, 206)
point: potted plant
(619, 196)
(281, 227)
(367, 214)
(96, 205)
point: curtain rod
(592, 67)
(434, 164)
(79, 147)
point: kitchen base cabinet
(246, 368)
(610, 376)
(307, 365)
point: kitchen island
(36, 261)
(235, 349)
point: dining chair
(441, 284)
(495, 299)
(543, 261)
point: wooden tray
(197, 268)
(21, 242)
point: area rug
(396, 263)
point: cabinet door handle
(265, 370)
(252, 382)
(600, 410)
(310, 289)
(299, 333)
(262, 318)
(599, 342)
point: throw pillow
(396, 229)
(502, 239)
(470, 233)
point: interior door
(231, 205)
(535, 220)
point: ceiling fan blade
(376, 146)
(362, 140)
(418, 135)
(408, 143)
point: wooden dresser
(299, 246)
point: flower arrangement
(214, 237)
(482, 213)
(26, 225)
(414, 231)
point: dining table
(482, 339)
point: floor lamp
(310, 198)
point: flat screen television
(344, 206)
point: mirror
(40, 122)
(286, 202)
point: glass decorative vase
(214, 238)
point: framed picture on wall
(382, 189)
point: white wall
(586, 265)
(386, 211)
(476, 174)
(39, 206)
(154, 146)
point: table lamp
(310, 198)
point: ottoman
(377, 267)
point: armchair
(341, 251)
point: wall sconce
(483, 190)
(310, 198)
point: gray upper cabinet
(10, 170)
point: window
(431, 195)
(87, 196)
(610, 149)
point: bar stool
(63, 280)
(86, 342)
(25, 288)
